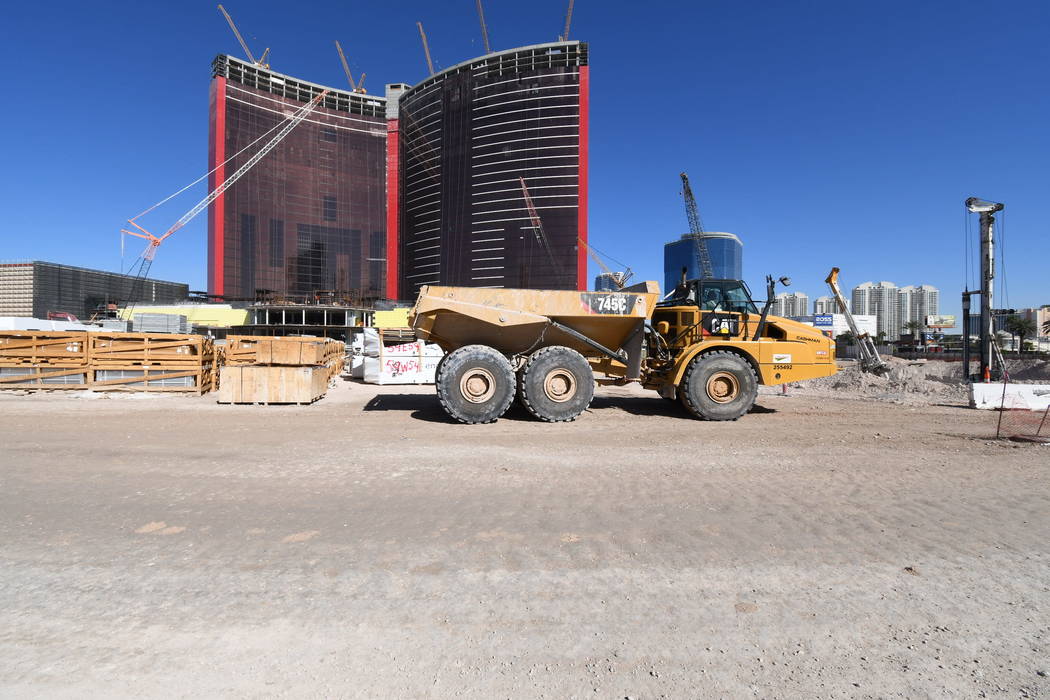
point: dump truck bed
(519, 320)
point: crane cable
(176, 194)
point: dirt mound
(1028, 370)
(908, 381)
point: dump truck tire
(719, 385)
(475, 384)
(556, 384)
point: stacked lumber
(262, 369)
(106, 361)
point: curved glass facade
(464, 138)
(725, 250)
(311, 216)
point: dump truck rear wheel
(475, 384)
(719, 385)
(556, 384)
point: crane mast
(696, 229)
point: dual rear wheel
(476, 384)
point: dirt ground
(365, 547)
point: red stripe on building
(581, 213)
(392, 177)
(217, 209)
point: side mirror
(786, 281)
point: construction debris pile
(916, 381)
(907, 381)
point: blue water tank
(725, 250)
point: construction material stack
(44, 360)
(274, 370)
(47, 360)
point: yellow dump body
(517, 320)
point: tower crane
(618, 278)
(146, 259)
(355, 86)
(568, 21)
(696, 229)
(262, 60)
(484, 28)
(537, 228)
(426, 47)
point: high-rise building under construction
(311, 216)
(463, 140)
(374, 196)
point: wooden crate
(281, 350)
(44, 348)
(196, 380)
(272, 384)
(40, 360)
(47, 377)
(164, 349)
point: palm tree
(915, 328)
(1020, 328)
(1046, 327)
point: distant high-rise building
(826, 305)
(725, 250)
(791, 304)
(881, 300)
(1040, 316)
(916, 303)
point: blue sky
(822, 133)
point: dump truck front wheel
(719, 385)
(556, 384)
(475, 384)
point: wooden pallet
(397, 336)
(272, 384)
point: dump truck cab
(708, 315)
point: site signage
(824, 320)
(609, 304)
(940, 322)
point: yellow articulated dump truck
(705, 344)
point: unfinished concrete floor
(365, 547)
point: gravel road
(365, 547)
